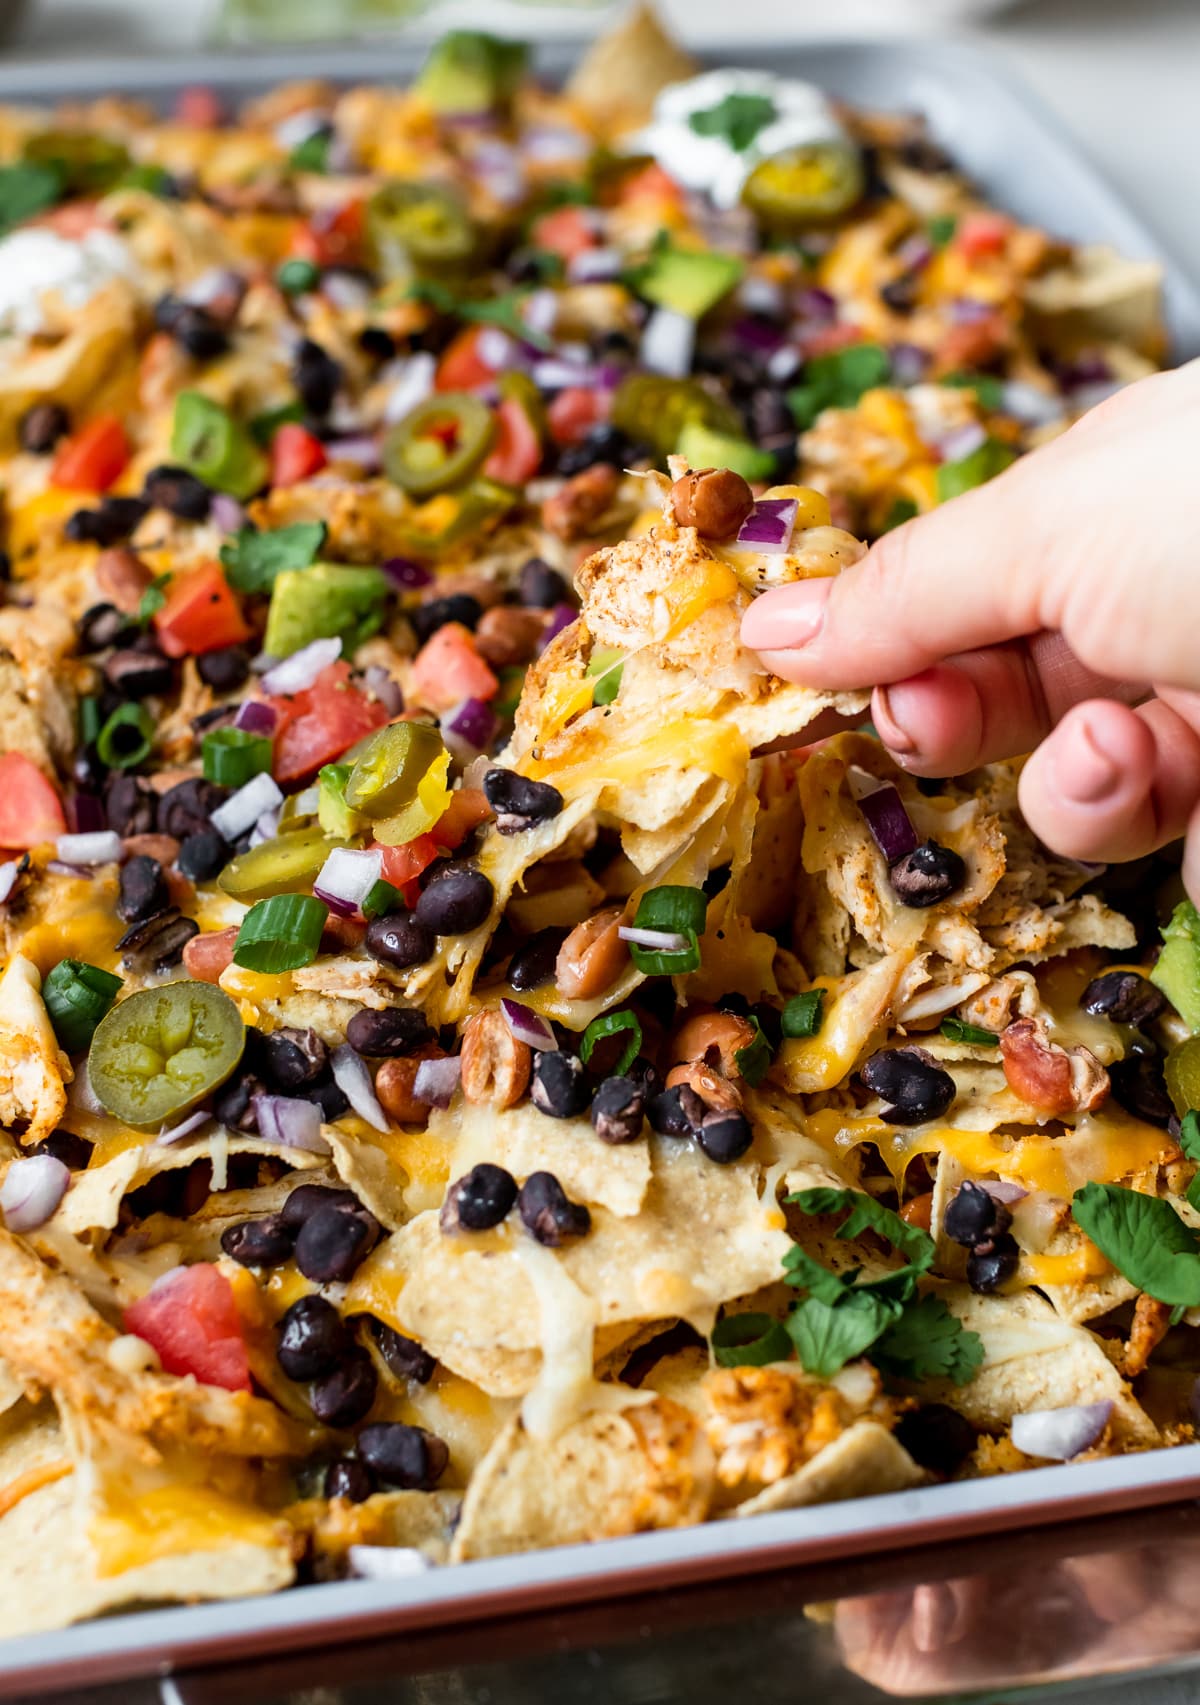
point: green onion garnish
(297, 277)
(77, 996)
(955, 1030)
(89, 720)
(232, 755)
(803, 1014)
(749, 1340)
(612, 1024)
(754, 1060)
(673, 911)
(383, 897)
(126, 738)
(280, 934)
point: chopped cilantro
(838, 380)
(252, 559)
(311, 155)
(1189, 1142)
(264, 426)
(28, 188)
(737, 119)
(754, 1060)
(941, 228)
(152, 599)
(926, 1341)
(1145, 1240)
(988, 389)
(866, 1214)
(749, 1340)
(828, 1335)
(502, 310)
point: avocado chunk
(688, 281)
(705, 448)
(330, 600)
(333, 814)
(1177, 972)
(469, 71)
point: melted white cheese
(35, 263)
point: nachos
(484, 1064)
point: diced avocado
(688, 281)
(705, 448)
(330, 600)
(469, 71)
(333, 814)
(1177, 972)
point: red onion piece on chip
(529, 1027)
(32, 1189)
(1060, 1434)
(353, 1077)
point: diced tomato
(201, 614)
(200, 106)
(983, 233)
(462, 368)
(468, 808)
(190, 1317)
(402, 865)
(828, 339)
(92, 458)
(574, 412)
(518, 452)
(448, 669)
(334, 237)
(30, 809)
(295, 454)
(647, 183)
(566, 232)
(319, 724)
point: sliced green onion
(754, 1060)
(383, 897)
(233, 755)
(126, 738)
(280, 934)
(749, 1340)
(89, 721)
(77, 996)
(297, 277)
(612, 1024)
(955, 1030)
(675, 911)
(803, 1014)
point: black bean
(293, 1058)
(974, 1216)
(312, 1338)
(167, 310)
(646, 1073)
(225, 670)
(203, 856)
(316, 376)
(479, 1199)
(350, 1479)
(399, 939)
(990, 1267)
(912, 1087)
(1137, 1085)
(459, 901)
(139, 674)
(925, 155)
(74, 1152)
(541, 586)
(460, 607)
(937, 1437)
(198, 333)
(377, 343)
(770, 1021)
(900, 294)
(676, 1112)
(560, 1086)
(737, 1004)
(258, 1243)
(100, 626)
(42, 426)
(328, 1096)
(187, 807)
(142, 888)
(601, 443)
(345, 1396)
(305, 1199)
(395, 1031)
(129, 805)
(724, 1136)
(108, 524)
(403, 1456)
(1124, 997)
(518, 802)
(233, 1104)
(618, 1110)
(156, 942)
(533, 962)
(927, 875)
(178, 492)
(548, 1214)
(334, 1242)
(404, 1356)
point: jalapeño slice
(161, 1051)
(423, 226)
(806, 186)
(391, 766)
(278, 866)
(439, 443)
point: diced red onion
(10, 870)
(32, 1189)
(226, 512)
(961, 441)
(266, 829)
(353, 1078)
(256, 717)
(220, 290)
(386, 1562)
(1029, 404)
(814, 304)
(561, 616)
(495, 348)
(347, 877)
(769, 525)
(436, 1080)
(340, 156)
(381, 685)
(360, 449)
(594, 266)
(101, 846)
(298, 672)
(883, 808)
(88, 813)
(413, 383)
(541, 311)
(1091, 396)
(783, 364)
(242, 809)
(668, 342)
(969, 311)
(58, 868)
(176, 1133)
(757, 335)
(759, 295)
(529, 1027)
(554, 142)
(497, 168)
(1060, 1434)
(345, 291)
(909, 362)
(1003, 1190)
(915, 253)
(471, 723)
(657, 940)
(556, 375)
(290, 1122)
(410, 576)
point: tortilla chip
(522, 1140)
(865, 1460)
(619, 76)
(32, 1070)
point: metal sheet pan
(1025, 162)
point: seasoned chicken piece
(32, 1070)
(766, 1422)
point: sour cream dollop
(710, 164)
(35, 262)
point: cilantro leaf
(987, 388)
(152, 599)
(737, 119)
(252, 559)
(828, 1335)
(928, 1342)
(749, 1340)
(806, 1274)
(754, 1060)
(28, 188)
(941, 228)
(501, 310)
(838, 380)
(1189, 1142)
(1145, 1240)
(866, 1214)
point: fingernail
(788, 618)
(888, 713)
(1084, 770)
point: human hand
(1056, 608)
